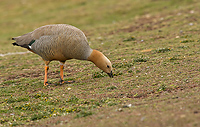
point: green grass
(154, 47)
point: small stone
(99, 38)
(192, 11)
(191, 24)
(178, 13)
(120, 110)
(142, 119)
(127, 106)
(183, 116)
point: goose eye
(108, 66)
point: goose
(62, 42)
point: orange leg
(45, 75)
(61, 74)
(46, 71)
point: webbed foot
(67, 82)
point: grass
(154, 48)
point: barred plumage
(62, 42)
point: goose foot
(48, 84)
(67, 82)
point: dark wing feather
(23, 40)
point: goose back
(56, 42)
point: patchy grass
(153, 45)
(162, 50)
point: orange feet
(47, 84)
(67, 82)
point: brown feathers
(62, 42)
